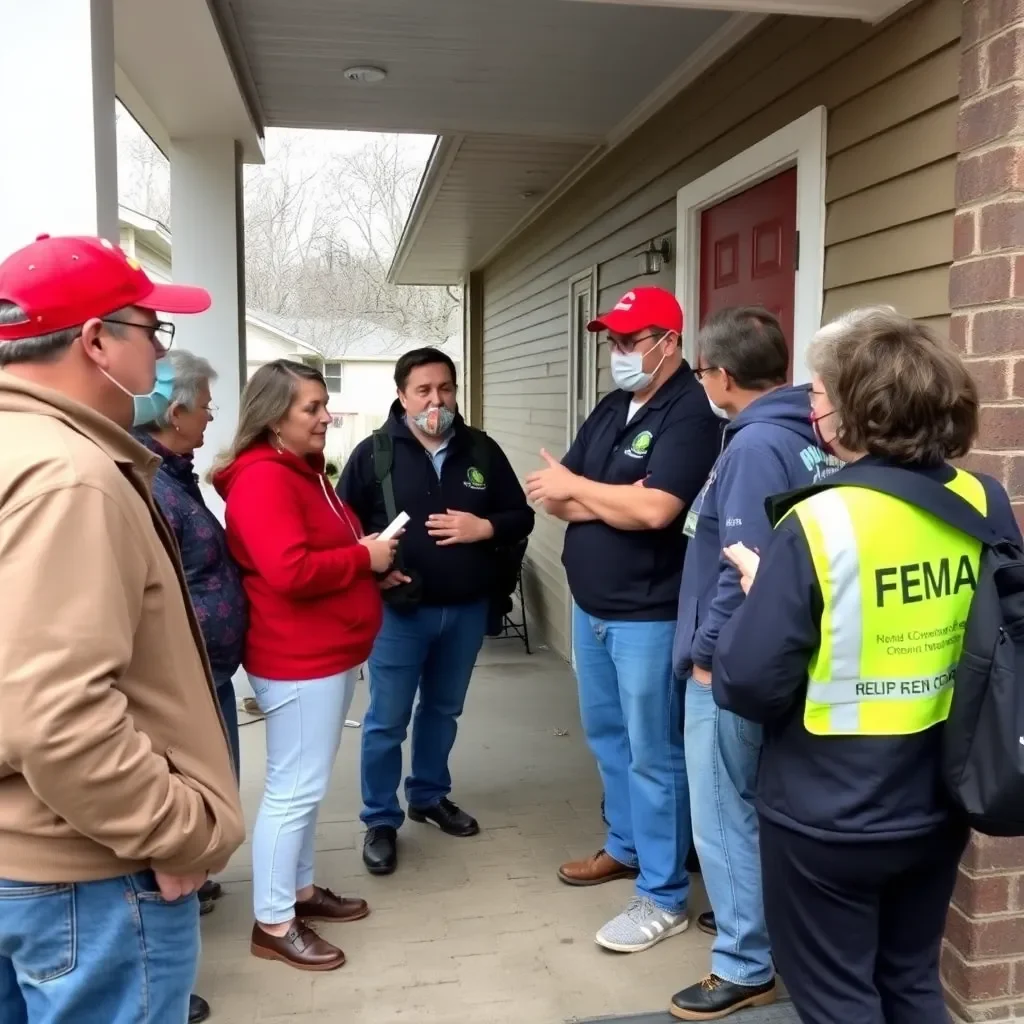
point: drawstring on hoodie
(343, 515)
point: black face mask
(825, 446)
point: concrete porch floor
(467, 931)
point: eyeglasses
(701, 371)
(627, 345)
(161, 333)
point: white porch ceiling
(521, 95)
(173, 75)
(533, 67)
(861, 10)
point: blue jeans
(229, 709)
(304, 725)
(432, 650)
(722, 754)
(629, 706)
(108, 952)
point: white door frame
(800, 144)
(579, 284)
(583, 283)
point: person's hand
(746, 561)
(701, 675)
(174, 887)
(458, 528)
(395, 578)
(382, 552)
(554, 483)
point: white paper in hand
(394, 526)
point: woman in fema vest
(844, 650)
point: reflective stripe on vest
(896, 584)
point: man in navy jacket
(769, 447)
(624, 488)
(463, 500)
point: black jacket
(840, 788)
(459, 573)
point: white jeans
(304, 725)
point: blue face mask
(151, 406)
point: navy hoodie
(835, 788)
(767, 449)
(455, 574)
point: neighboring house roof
(149, 230)
(156, 237)
(261, 320)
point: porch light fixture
(654, 257)
(365, 74)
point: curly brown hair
(900, 391)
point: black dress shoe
(211, 890)
(715, 998)
(706, 923)
(447, 817)
(198, 1009)
(380, 850)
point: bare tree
(143, 173)
(320, 238)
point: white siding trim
(801, 143)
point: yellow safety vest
(897, 584)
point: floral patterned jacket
(213, 579)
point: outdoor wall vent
(365, 74)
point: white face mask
(628, 369)
(717, 409)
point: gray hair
(823, 354)
(191, 372)
(44, 348)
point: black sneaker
(198, 1009)
(714, 998)
(380, 850)
(447, 817)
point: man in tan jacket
(117, 793)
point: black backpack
(508, 559)
(983, 738)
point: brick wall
(983, 953)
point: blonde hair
(900, 391)
(266, 399)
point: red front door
(748, 252)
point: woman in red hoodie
(314, 611)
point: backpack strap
(911, 487)
(383, 458)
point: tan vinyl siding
(891, 96)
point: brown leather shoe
(326, 906)
(602, 867)
(300, 947)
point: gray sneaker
(640, 926)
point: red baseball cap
(62, 282)
(639, 309)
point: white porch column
(58, 153)
(208, 250)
